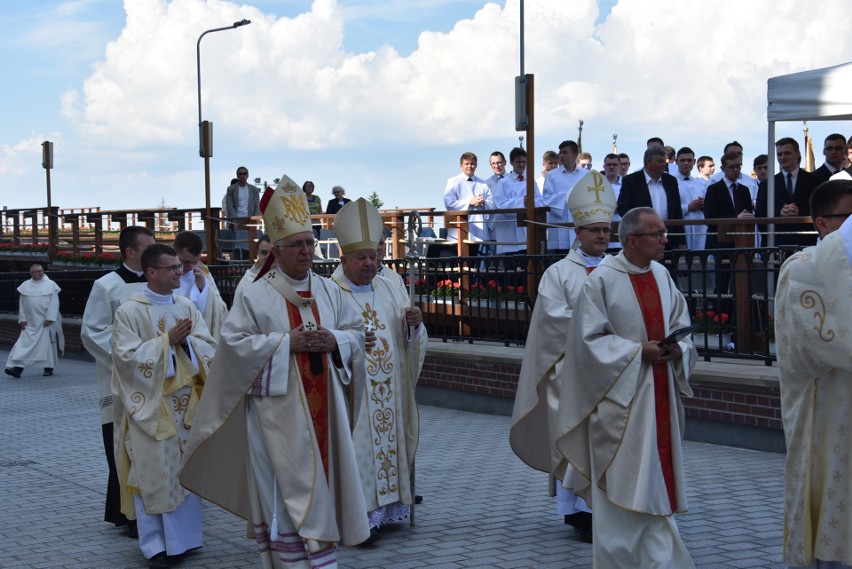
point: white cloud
(23, 157)
(289, 82)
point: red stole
(315, 385)
(648, 295)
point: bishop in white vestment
(386, 427)
(535, 415)
(272, 440)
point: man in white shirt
(691, 198)
(623, 164)
(706, 168)
(511, 193)
(468, 192)
(549, 161)
(557, 186)
(612, 169)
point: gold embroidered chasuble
(157, 389)
(814, 340)
(386, 422)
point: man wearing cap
(288, 353)
(621, 419)
(41, 333)
(535, 416)
(386, 424)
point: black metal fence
(476, 299)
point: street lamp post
(205, 140)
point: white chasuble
(813, 311)
(386, 422)
(254, 400)
(157, 388)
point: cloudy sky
(378, 95)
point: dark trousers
(112, 511)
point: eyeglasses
(656, 234)
(172, 268)
(297, 245)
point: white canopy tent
(816, 95)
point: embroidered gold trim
(811, 300)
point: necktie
(470, 179)
(790, 186)
(520, 177)
(734, 197)
(686, 178)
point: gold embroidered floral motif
(371, 318)
(381, 392)
(380, 359)
(145, 368)
(811, 300)
(384, 423)
(180, 403)
(139, 399)
(387, 471)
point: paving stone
(482, 506)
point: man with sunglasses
(161, 354)
(813, 311)
(271, 441)
(535, 419)
(242, 199)
(621, 417)
(834, 150)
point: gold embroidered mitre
(358, 225)
(592, 200)
(287, 211)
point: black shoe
(418, 499)
(578, 519)
(14, 371)
(48, 371)
(374, 537)
(159, 561)
(584, 532)
(132, 532)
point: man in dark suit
(793, 188)
(242, 200)
(653, 187)
(834, 150)
(727, 198)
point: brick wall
(471, 375)
(754, 406)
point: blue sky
(379, 95)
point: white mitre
(287, 211)
(358, 225)
(592, 200)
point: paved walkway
(482, 506)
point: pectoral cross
(598, 187)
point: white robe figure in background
(41, 327)
(813, 311)
(264, 246)
(196, 282)
(161, 353)
(621, 415)
(386, 426)
(271, 441)
(535, 418)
